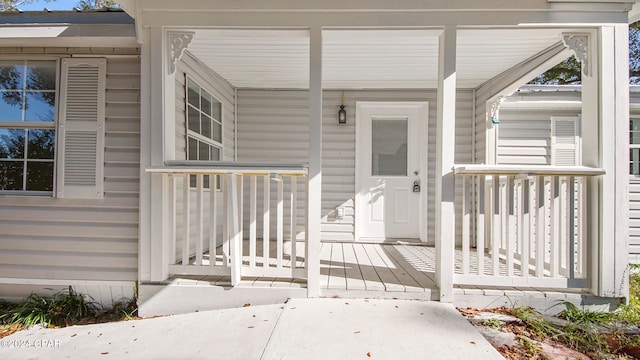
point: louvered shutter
(80, 172)
(564, 141)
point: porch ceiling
(371, 59)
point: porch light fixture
(342, 113)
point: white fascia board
(68, 35)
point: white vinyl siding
(84, 240)
(273, 127)
(80, 170)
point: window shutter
(80, 172)
(564, 141)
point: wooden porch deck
(400, 270)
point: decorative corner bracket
(579, 44)
(178, 43)
(493, 112)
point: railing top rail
(228, 167)
(532, 170)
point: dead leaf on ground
(246, 305)
(369, 354)
(104, 353)
(251, 327)
(74, 335)
(356, 332)
(335, 297)
(472, 342)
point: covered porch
(290, 173)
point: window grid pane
(27, 94)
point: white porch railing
(228, 219)
(524, 226)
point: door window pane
(389, 147)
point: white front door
(391, 166)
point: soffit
(369, 59)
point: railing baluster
(510, 201)
(294, 214)
(173, 203)
(570, 205)
(186, 209)
(466, 223)
(265, 220)
(553, 227)
(523, 226)
(279, 222)
(540, 226)
(488, 218)
(213, 220)
(199, 218)
(496, 238)
(481, 231)
(252, 220)
(563, 221)
(234, 209)
(225, 221)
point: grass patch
(60, 309)
(599, 334)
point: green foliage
(565, 73)
(96, 4)
(584, 337)
(61, 309)
(569, 71)
(13, 5)
(630, 313)
(492, 323)
(575, 315)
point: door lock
(416, 187)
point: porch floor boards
(373, 270)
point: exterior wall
(90, 244)
(273, 127)
(525, 138)
(524, 133)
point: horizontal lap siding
(273, 127)
(79, 239)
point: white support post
(605, 119)
(620, 244)
(445, 150)
(591, 157)
(158, 237)
(314, 193)
(144, 216)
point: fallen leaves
(104, 353)
(369, 354)
(246, 305)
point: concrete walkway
(300, 329)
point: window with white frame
(204, 127)
(204, 124)
(634, 146)
(27, 125)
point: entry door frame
(423, 146)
